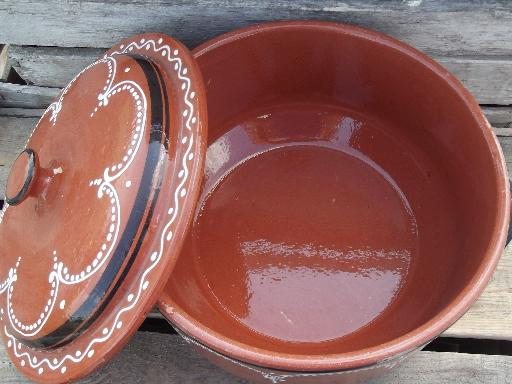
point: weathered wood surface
(471, 39)
(490, 80)
(159, 358)
(441, 27)
(21, 112)
(26, 96)
(50, 66)
(489, 318)
(499, 116)
(14, 133)
(4, 66)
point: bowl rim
(235, 350)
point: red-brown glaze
(354, 203)
(112, 159)
(330, 242)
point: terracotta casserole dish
(354, 204)
(306, 201)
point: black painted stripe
(152, 176)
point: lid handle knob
(20, 177)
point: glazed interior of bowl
(351, 193)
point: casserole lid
(97, 207)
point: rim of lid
(175, 142)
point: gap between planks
(489, 318)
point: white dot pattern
(24, 354)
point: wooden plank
(4, 66)
(489, 80)
(449, 368)
(50, 66)
(21, 112)
(506, 145)
(14, 133)
(500, 117)
(160, 358)
(503, 131)
(443, 27)
(26, 96)
(489, 318)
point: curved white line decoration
(60, 273)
